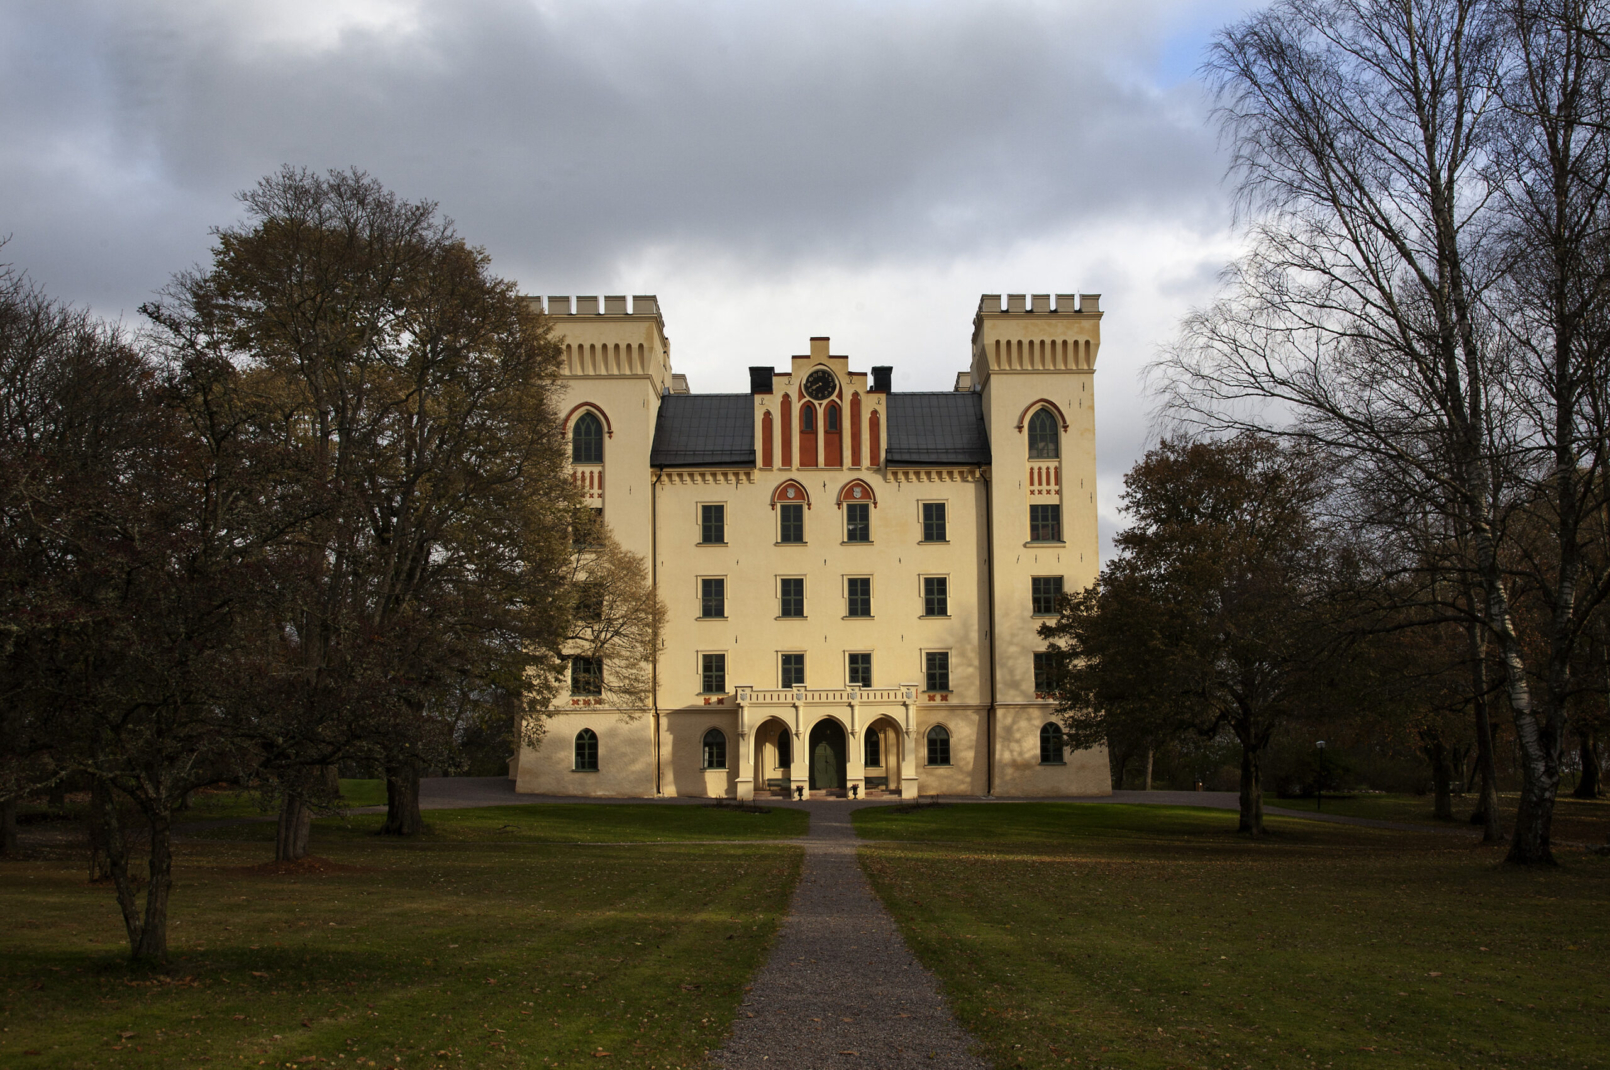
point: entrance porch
(840, 742)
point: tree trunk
(8, 828)
(117, 864)
(1251, 793)
(1150, 753)
(1441, 778)
(153, 943)
(295, 823)
(1587, 785)
(402, 801)
(1486, 813)
(1117, 759)
(1534, 814)
(1538, 725)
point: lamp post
(1319, 786)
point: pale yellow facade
(903, 642)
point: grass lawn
(452, 950)
(1580, 820)
(1145, 936)
(554, 823)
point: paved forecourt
(841, 988)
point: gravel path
(841, 988)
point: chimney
(881, 374)
(818, 348)
(760, 380)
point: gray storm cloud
(572, 135)
(771, 170)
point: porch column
(855, 760)
(799, 765)
(908, 753)
(745, 782)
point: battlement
(1025, 333)
(642, 305)
(1040, 304)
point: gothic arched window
(1043, 435)
(1051, 744)
(715, 749)
(587, 751)
(587, 440)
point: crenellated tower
(617, 365)
(1034, 363)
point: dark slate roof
(939, 428)
(705, 430)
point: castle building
(854, 575)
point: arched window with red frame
(788, 432)
(832, 436)
(807, 435)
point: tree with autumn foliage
(418, 388)
(1216, 612)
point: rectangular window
(860, 670)
(588, 529)
(712, 598)
(936, 670)
(935, 596)
(933, 522)
(590, 601)
(1045, 523)
(713, 674)
(1047, 672)
(858, 596)
(858, 522)
(586, 676)
(713, 524)
(791, 523)
(1044, 594)
(791, 598)
(791, 670)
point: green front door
(827, 756)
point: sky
(862, 170)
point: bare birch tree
(1415, 171)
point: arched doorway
(827, 752)
(774, 754)
(882, 743)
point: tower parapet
(615, 340)
(1029, 335)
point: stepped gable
(704, 431)
(937, 429)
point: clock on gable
(820, 385)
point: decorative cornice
(936, 475)
(703, 476)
